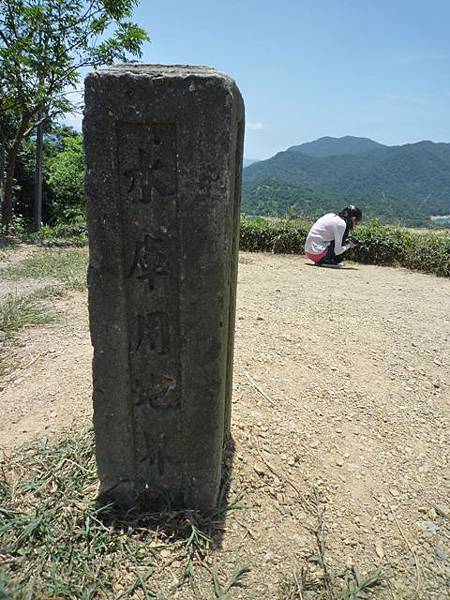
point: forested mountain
(408, 183)
(249, 161)
(329, 146)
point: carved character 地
(160, 395)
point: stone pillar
(163, 183)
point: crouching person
(327, 239)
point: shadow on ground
(197, 529)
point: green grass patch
(377, 244)
(305, 583)
(73, 234)
(57, 543)
(68, 265)
(18, 311)
(50, 291)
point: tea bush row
(377, 244)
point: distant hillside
(409, 182)
(330, 146)
(268, 197)
(249, 161)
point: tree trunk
(2, 171)
(11, 156)
(7, 210)
(37, 212)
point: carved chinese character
(148, 262)
(153, 332)
(159, 456)
(160, 395)
(147, 176)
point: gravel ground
(341, 404)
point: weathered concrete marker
(164, 154)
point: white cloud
(254, 126)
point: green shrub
(380, 244)
(73, 233)
(429, 253)
(377, 244)
(280, 236)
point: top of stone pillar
(155, 71)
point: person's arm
(339, 231)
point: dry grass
(18, 311)
(57, 543)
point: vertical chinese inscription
(148, 168)
(160, 182)
(148, 190)
(148, 261)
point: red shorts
(317, 257)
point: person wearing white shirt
(327, 238)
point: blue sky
(310, 68)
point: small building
(440, 219)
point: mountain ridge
(331, 146)
(410, 181)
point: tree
(62, 161)
(66, 181)
(43, 45)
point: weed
(18, 311)
(222, 591)
(300, 581)
(49, 291)
(317, 579)
(358, 586)
(66, 265)
(57, 543)
(74, 233)
(54, 538)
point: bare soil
(342, 393)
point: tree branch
(4, 38)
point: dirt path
(356, 367)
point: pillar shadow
(156, 515)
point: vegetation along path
(341, 419)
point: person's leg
(331, 258)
